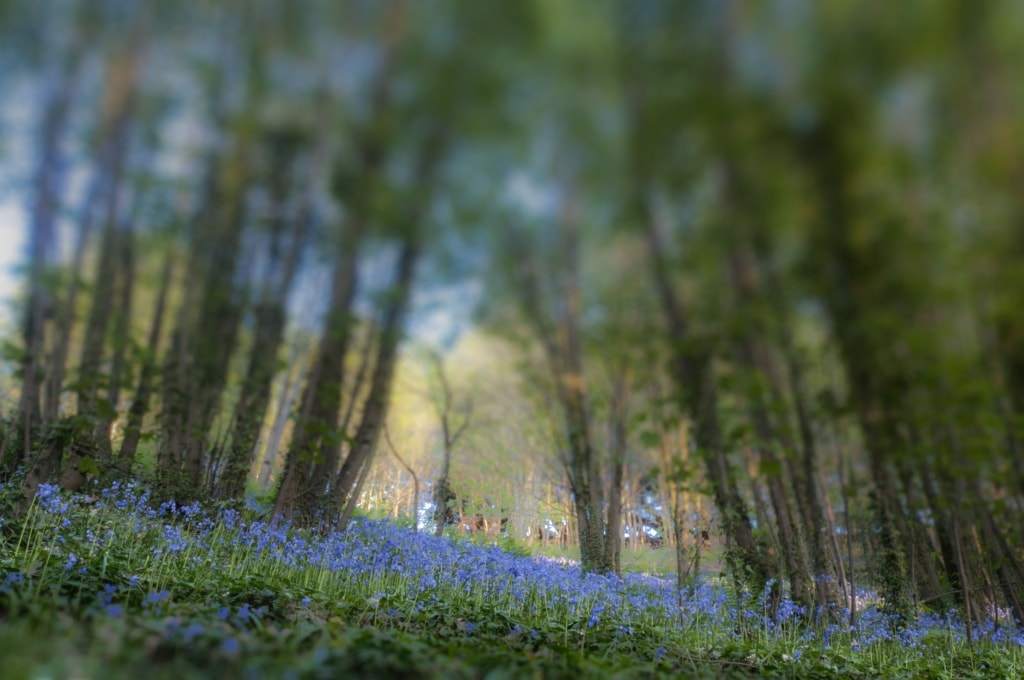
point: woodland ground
(108, 584)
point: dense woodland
(658, 275)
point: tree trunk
(376, 405)
(220, 316)
(112, 279)
(317, 422)
(147, 374)
(443, 495)
(66, 320)
(47, 188)
(832, 158)
(692, 371)
(271, 317)
(752, 355)
(415, 481)
(289, 392)
(618, 447)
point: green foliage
(136, 599)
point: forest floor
(109, 585)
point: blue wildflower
(230, 646)
(192, 632)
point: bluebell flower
(192, 632)
(230, 646)
(157, 597)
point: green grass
(91, 589)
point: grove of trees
(575, 272)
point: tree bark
(752, 356)
(47, 188)
(317, 422)
(375, 408)
(147, 374)
(443, 495)
(692, 371)
(271, 317)
(289, 392)
(618, 448)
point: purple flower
(230, 646)
(192, 632)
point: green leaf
(650, 439)
(105, 410)
(88, 466)
(769, 468)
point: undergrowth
(108, 584)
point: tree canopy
(597, 274)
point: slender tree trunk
(317, 424)
(415, 481)
(563, 351)
(816, 515)
(443, 495)
(147, 374)
(832, 159)
(47, 188)
(674, 465)
(121, 341)
(251, 408)
(110, 277)
(220, 316)
(618, 438)
(791, 543)
(287, 395)
(826, 563)
(254, 397)
(59, 357)
(375, 408)
(1002, 556)
(316, 430)
(692, 372)
(178, 370)
(94, 345)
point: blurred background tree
(739, 278)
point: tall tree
(285, 249)
(48, 186)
